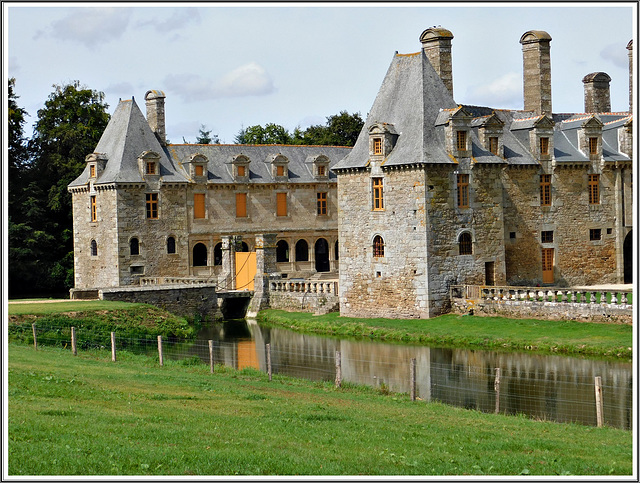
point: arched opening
(302, 251)
(199, 255)
(465, 246)
(322, 255)
(217, 254)
(378, 246)
(171, 245)
(337, 257)
(627, 251)
(243, 248)
(134, 247)
(94, 248)
(282, 251)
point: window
(94, 209)
(199, 170)
(377, 146)
(463, 191)
(217, 254)
(281, 204)
(594, 189)
(280, 170)
(378, 194)
(200, 255)
(150, 167)
(461, 140)
(302, 251)
(134, 246)
(545, 190)
(322, 203)
(546, 236)
(92, 171)
(94, 248)
(512, 235)
(171, 245)
(593, 145)
(465, 245)
(322, 171)
(152, 206)
(241, 171)
(198, 205)
(544, 146)
(137, 270)
(547, 265)
(378, 247)
(493, 145)
(241, 205)
(595, 234)
(282, 251)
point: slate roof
(414, 99)
(128, 135)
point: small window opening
(595, 234)
(546, 236)
(378, 247)
(134, 246)
(465, 245)
(171, 245)
(377, 146)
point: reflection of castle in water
(546, 387)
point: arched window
(464, 244)
(171, 245)
(378, 246)
(302, 251)
(217, 254)
(94, 248)
(282, 251)
(199, 255)
(322, 255)
(244, 247)
(134, 246)
(337, 257)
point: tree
(269, 134)
(204, 137)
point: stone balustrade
(146, 281)
(305, 286)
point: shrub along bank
(490, 333)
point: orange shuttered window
(198, 205)
(594, 189)
(463, 191)
(377, 146)
(281, 204)
(94, 209)
(322, 203)
(241, 170)
(378, 194)
(280, 170)
(545, 190)
(544, 146)
(199, 170)
(152, 206)
(241, 205)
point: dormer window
(457, 124)
(198, 166)
(544, 146)
(279, 166)
(593, 145)
(320, 166)
(241, 167)
(461, 140)
(150, 167)
(92, 171)
(490, 130)
(321, 171)
(96, 163)
(377, 146)
(149, 163)
(382, 139)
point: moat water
(546, 387)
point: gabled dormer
(590, 138)
(382, 139)
(625, 138)
(279, 167)
(540, 135)
(149, 165)
(198, 167)
(96, 163)
(320, 166)
(457, 131)
(490, 129)
(240, 167)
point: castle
(433, 194)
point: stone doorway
(627, 251)
(322, 255)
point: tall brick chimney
(155, 114)
(536, 56)
(630, 49)
(596, 92)
(436, 44)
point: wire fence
(517, 388)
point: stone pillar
(596, 92)
(536, 58)
(630, 49)
(227, 279)
(436, 44)
(265, 266)
(155, 114)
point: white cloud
(92, 26)
(178, 20)
(503, 92)
(614, 54)
(248, 80)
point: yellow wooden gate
(547, 265)
(245, 270)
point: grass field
(574, 338)
(45, 306)
(86, 415)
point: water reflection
(545, 387)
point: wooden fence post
(338, 370)
(496, 387)
(268, 347)
(35, 340)
(599, 406)
(113, 346)
(211, 355)
(74, 347)
(412, 377)
(160, 349)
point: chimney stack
(155, 114)
(436, 44)
(630, 49)
(536, 56)
(596, 92)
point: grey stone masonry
(596, 92)
(536, 53)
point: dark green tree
(205, 137)
(269, 134)
(340, 130)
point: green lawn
(498, 333)
(42, 306)
(87, 415)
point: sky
(226, 66)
